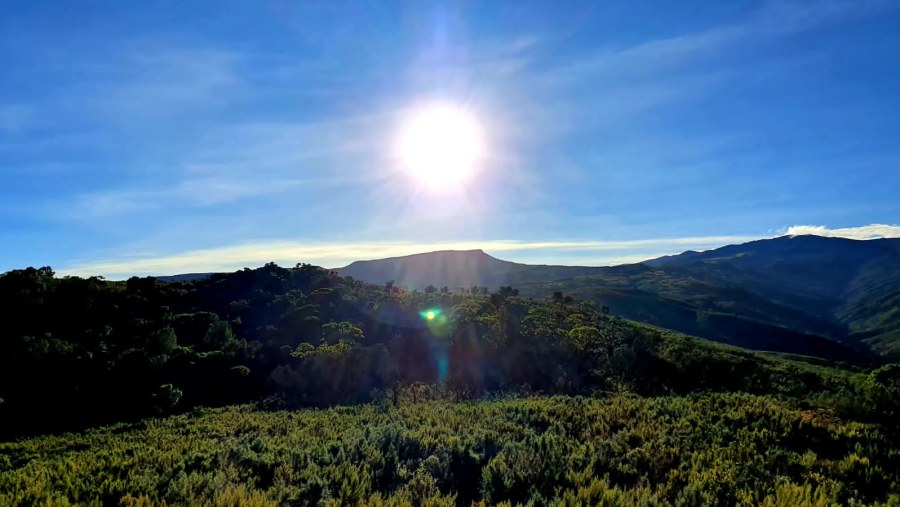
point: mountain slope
(845, 290)
(810, 273)
(853, 284)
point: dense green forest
(457, 397)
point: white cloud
(873, 231)
(288, 253)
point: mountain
(828, 297)
(457, 269)
(184, 277)
(811, 273)
(851, 284)
(782, 294)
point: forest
(297, 386)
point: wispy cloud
(246, 160)
(648, 59)
(873, 231)
(772, 20)
(671, 68)
(192, 192)
(336, 254)
(15, 118)
(146, 80)
(254, 147)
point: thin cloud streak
(201, 191)
(289, 253)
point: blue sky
(162, 137)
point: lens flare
(430, 314)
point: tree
(504, 293)
(508, 291)
(166, 397)
(336, 332)
(883, 386)
(584, 337)
(164, 341)
(220, 336)
(560, 298)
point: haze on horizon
(160, 138)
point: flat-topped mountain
(457, 269)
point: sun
(440, 145)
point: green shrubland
(700, 449)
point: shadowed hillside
(813, 274)
(851, 285)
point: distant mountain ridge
(830, 297)
(184, 277)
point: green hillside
(847, 283)
(724, 314)
(79, 352)
(352, 393)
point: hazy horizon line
(338, 254)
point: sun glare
(440, 145)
